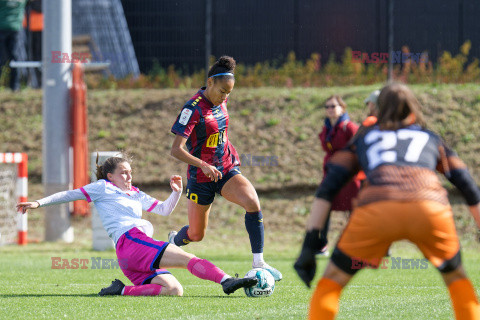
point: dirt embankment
(275, 131)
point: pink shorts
(136, 253)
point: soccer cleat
(115, 289)
(277, 275)
(232, 284)
(171, 236)
(323, 252)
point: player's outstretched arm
(165, 208)
(24, 206)
(176, 183)
(56, 198)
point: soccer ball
(265, 285)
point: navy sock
(254, 225)
(182, 239)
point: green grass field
(31, 289)
(265, 121)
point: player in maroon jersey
(213, 162)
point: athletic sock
(205, 270)
(325, 300)
(254, 225)
(258, 259)
(151, 289)
(182, 239)
(464, 300)
(225, 277)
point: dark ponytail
(398, 107)
(224, 64)
(108, 166)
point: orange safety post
(22, 187)
(79, 138)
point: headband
(222, 74)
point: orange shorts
(373, 227)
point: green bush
(310, 73)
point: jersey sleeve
(90, 192)
(186, 121)
(153, 205)
(93, 191)
(456, 171)
(352, 128)
(61, 197)
(340, 169)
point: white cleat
(323, 252)
(277, 275)
(171, 236)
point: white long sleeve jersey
(119, 210)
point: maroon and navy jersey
(206, 128)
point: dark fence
(173, 32)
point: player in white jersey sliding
(142, 259)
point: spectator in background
(336, 132)
(11, 16)
(371, 103)
(33, 23)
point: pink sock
(206, 270)
(151, 289)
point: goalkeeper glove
(306, 264)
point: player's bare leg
(197, 227)
(240, 191)
(175, 257)
(163, 284)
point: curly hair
(223, 65)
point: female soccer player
(402, 199)
(141, 258)
(336, 132)
(213, 162)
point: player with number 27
(401, 199)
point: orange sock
(324, 302)
(464, 300)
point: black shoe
(232, 284)
(115, 289)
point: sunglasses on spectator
(332, 106)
